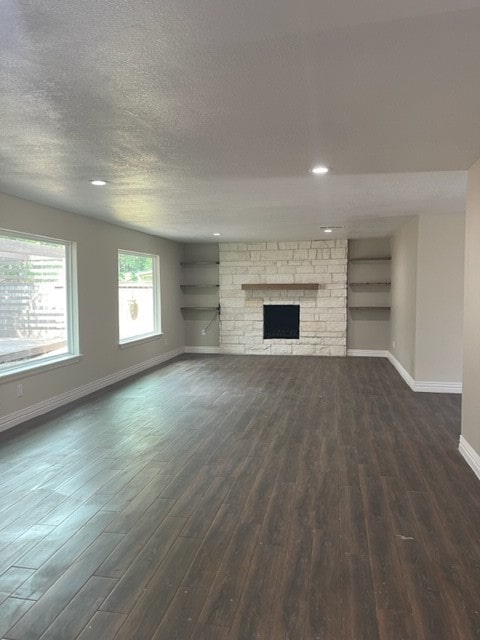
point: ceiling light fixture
(327, 230)
(217, 234)
(98, 183)
(320, 170)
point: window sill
(40, 367)
(140, 340)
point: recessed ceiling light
(320, 169)
(217, 234)
(327, 231)
(98, 183)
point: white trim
(40, 367)
(470, 455)
(367, 353)
(437, 387)
(45, 406)
(402, 371)
(428, 386)
(202, 349)
(131, 342)
(156, 311)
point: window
(138, 297)
(37, 301)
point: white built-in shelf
(280, 285)
(199, 285)
(200, 263)
(369, 306)
(369, 283)
(366, 288)
(199, 308)
(381, 259)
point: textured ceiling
(206, 116)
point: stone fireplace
(310, 275)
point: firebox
(281, 321)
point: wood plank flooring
(242, 498)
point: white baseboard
(437, 387)
(45, 406)
(426, 386)
(202, 349)
(402, 371)
(470, 455)
(367, 353)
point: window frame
(40, 363)
(157, 317)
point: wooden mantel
(281, 285)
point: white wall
(439, 317)
(471, 332)
(404, 295)
(427, 300)
(97, 245)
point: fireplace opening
(281, 321)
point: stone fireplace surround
(323, 314)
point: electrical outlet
(204, 332)
(165, 338)
(19, 390)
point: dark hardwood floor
(242, 498)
